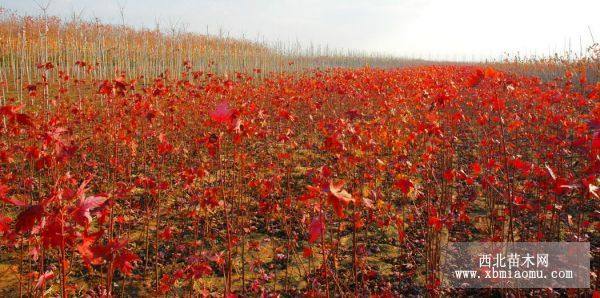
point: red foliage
(237, 179)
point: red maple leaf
(43, 278)
(337, 191)
(307, 252)
(476, 168)
(82, 211)
(316, 229)
(4, 191)
(222, 113)
(339, 198)
(4, 223)
(404, 185)
(200, 269)
(166, 234)
(434, 222)
(124, 261)
(89, 254)
(28, 217)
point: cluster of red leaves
(188, 172)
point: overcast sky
(442, 29)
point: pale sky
(430, 29)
